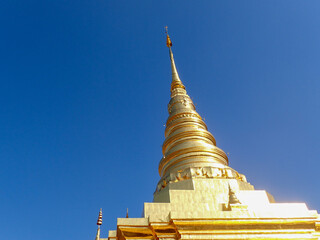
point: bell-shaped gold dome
(189, 149)
(187, 142)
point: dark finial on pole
(99, 222)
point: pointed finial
(232, 197)
(127, 216)
(99, 222)
(169, 43)
(176, 85)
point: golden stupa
(200, 197)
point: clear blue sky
(85, 86)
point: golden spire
(189, 149)
(176, 85)
(187, 143)
(98, 234)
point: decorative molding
(199, 172)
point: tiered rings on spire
(99, 223)
(189, 149)
(188, 143)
